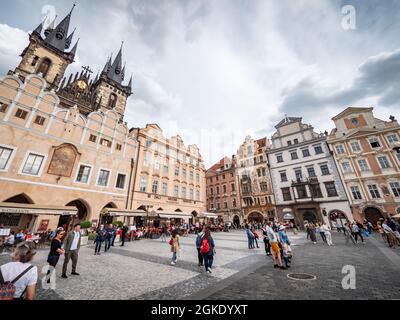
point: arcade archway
(255, 217)
(373, 215)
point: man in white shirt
(72, 245)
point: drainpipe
(137, 164)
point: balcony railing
(302, 181)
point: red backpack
(205, 246)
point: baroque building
(169, 183)
(223, 190)
(257, 197)
(306, 182)
(367, 152)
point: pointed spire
(73, 51)
(123, 73)
(57, 38)
(115, 72)
(69, 80)
(69, 40)
(39, 29)
(130, 82)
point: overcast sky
(214, 71)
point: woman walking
(101, 235)
(256, 237)
(55, 251)
(327, 232)
(208, 250)
(311, 228)
(175, 246)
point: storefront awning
(34, 209)
(124, 213)
(174, 215)
(288, 216)
(208, 215)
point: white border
(11, 158)
(41, 166)
(77, 172)
(116, 180)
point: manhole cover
(301, 276)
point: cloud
(12, 43)
(378, 77)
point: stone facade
(223, 190)
(257, 197)
(366, 150)
(55, 156)
(305, 179)
(170, 178)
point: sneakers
(64, 276)
(282, 268)
(75, 273)
(172, 263)
(276, 266)
(209, 271)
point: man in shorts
(275, 250)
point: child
(286, 254)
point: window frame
(11, 158)
(77, 173)
(116, 180)
(43, 164)
(98, 175)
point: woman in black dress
(55, 251)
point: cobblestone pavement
(141, 270)
(377, 274)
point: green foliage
(86, 224)
(92, 236)
(119, 224)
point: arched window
(44, 67)
(113, 101)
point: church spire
(115, 72)
(130, 82)
(50, 27)
(69, 40)
(39, 29)
(57, 38)
(75, 47)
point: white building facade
(305, 179)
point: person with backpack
(18, 278)
(175, 246)
(101, 235)
(199, 239)
(208, 250)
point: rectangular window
(176, 171)
(324, 169)
(234, 202)
(306, 153)
(21, 114)
(191, 194)
(146, 160)
(3, 107)
(298, 174)
(302, 192)
(184, 173)
(225, 204)
(83, 174)
(283, 176)
(373, 190)
(143, 184)
(198, 177)
(197, 195)
(40, 120)
(311, 172)
(120, 181)
(316, 191)
(340, 149)
(263, 186)
(217, 189)
(279, 158)
(157, 165)
(148, 143)
(289, 143)
(33, 164)
(296, 141)
(392, 138)
(355, 146)
(347, 167)
(176, 191)
(118, 147)
(355, 191)
(232, 187)
(166, 168)
(294, 155)
(318, 150)
(183, 191)
(102, 180)
(164, 188)
(211, 191)
(374, 142)
(105, 143)
(363, 165)
(224, 188)
(154, 187)
(395, 188)
(191, 175)
(92, 138)
(331, 189)
(384, 162)
(286, 194)
(5, 155)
